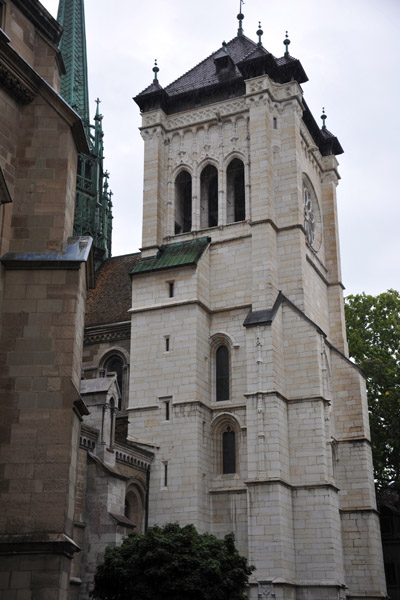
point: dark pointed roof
(214, 79)
(222, 75)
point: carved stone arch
(208, 160)
(221, 337)
(135, 503)
(182, 167)
(225, 433)
(231, 156)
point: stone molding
(38, 543)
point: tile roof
(111, 298)
(173, 255)
(205, 73)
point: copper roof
(110, 300)
(173, 255)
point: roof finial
(240, 18)
(98, 116)
(323, 117)
(259, 32)
(224, 46)
(155, 70)
(286, 41)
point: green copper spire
(93, 206)
(74, 84)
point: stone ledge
(38, 543)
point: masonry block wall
(42, 310)
(268, 288)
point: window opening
(209, 197)
(228, 451)
(167, 414)
(236, 209)
(275, 123)
(167, 343)
(222, 373)
(171, 289)
(115, 364)
(165, 474)
(183, 202)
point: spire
(240, 18)
(93, 214)
(74, 84)
(286, 41)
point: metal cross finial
(259, 32)
(155, 70)
(323, 117)
(240, 18)
(286, 41)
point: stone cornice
(110, 332)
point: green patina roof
(74, 84)
(173, 255)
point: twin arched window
(209, 197)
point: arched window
(227, 440)
(209, 197)
(183, 202)
(228, 451)
(235, 204)
(134, 507)
(115, 362)
(222, 373)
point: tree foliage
(373, 333)
(173, 563)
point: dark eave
(325, 140)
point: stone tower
(93, 205)
(240, 377)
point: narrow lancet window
(209, 197)
(222, 373)
(183, 202)
(236, 210)
(228, 451)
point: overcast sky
(350, 50)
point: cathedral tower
(93, 206)
(240, 377)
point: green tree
(173, 563)
(373, 333)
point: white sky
(350, 50)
